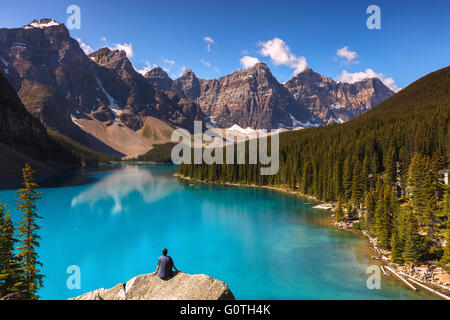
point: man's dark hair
(164, 251)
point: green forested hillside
(80, 152)
(386, 166)
(160, 153)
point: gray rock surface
(254, 98)
(183, 286)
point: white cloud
(349, 56)
(209, 42)
(168, 61)
(369, 73)
(206, 63)
(103, 39)
(146, 68)
(127, 47)
(280, 54)
(86, 48)
(248, 62)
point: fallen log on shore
(401, 278)
(425, 287)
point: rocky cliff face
(134, 95)
(254, 98)
(332, 101)
(160, 79)
(148, 287)
(249, 98)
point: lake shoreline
(397, 271)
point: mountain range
(101, 101)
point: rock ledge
(183, 286)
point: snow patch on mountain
(237, 128)
(112, 103)
(307, 124)
(42, 24)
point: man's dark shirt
(165, 264)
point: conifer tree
(28, 229)
(396, 247)
(339, 216)
(371, 202)
(347, 179)
(416, 178)
(390, 165)
(384, 217)
(351, 212)
(357, 185)
(446, 256)
(412, 250)
(10, 269)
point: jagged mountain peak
(107, 53)
(112, 59)
(259, 71)
(160, 79)
(157, 72)
(260, 66)
(309, 75)
(188, 73)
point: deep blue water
(264, 244)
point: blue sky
(413, 39)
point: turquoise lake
(114, 221)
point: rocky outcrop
(333, 101)
(249, 98)
(160, 79)
(148, 287)
(254, 98)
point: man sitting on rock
(165, 265)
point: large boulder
(148, 287)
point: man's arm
(173, 266)
(154, 273)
